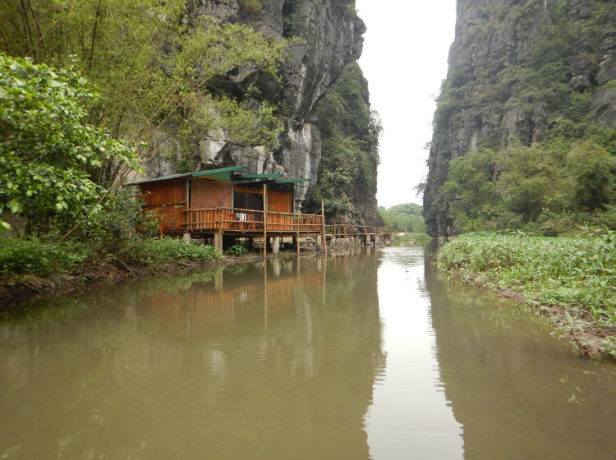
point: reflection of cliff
(225, 368)
(516, 390)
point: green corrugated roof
(260, 176)
(220, 172)
(157, 179)
(290, 181)
(224, 173)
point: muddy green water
(363, 356)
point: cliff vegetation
(524, 131)
(350, 138)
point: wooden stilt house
(227, 201)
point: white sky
(404, 61)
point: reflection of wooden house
(227, 201)
(204, 308)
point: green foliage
(258, 126)
(350, 135)
(336, 175)
(47, 152)
(472, 191)
(236, 250)
(549, 187)
(403, 218)
(32, 256)
(534, 178)
(158, 64)
(150, 252)
(593, 171)
(576, 273)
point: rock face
(328, 36)
(520, 70)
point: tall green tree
(48, 153)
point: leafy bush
(151, 252)
(35, 257)
(236, 250)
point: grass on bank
(20, 256)
(578, 273)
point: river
(372, 355)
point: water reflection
(519, 392)
(352, 357)
(410, 417)
(270, 360)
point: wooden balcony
(250, 221)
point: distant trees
(403, 217)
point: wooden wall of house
(206, 193)
(167, 199)
(280, 201)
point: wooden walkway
(251, 222)
(221, 222)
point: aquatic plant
(578, 273)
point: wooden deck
(250, 221)
(349, 230)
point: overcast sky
(404, 61)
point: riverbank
(31, 267)
(570, 279)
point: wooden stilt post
(297, 218)
(265, 298)
(323, 236)
(324, 277)
(264, 220)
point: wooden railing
(345, 230)
(250, 220)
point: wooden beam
(323, 236)
(264, 220)
(297, 217)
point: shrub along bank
(31, 265)
(572, 278)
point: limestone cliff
(327, 36)
(521, 71)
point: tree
(594, 173)
(48, 152)
(471, 189)
(157, 63)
